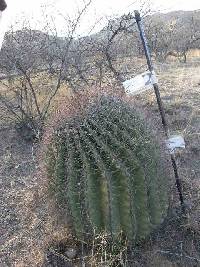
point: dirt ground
(26, 225)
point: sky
(97, 11)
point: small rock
(71, 253)
(188, 204)
(195, 149)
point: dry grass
(44, 85)
(28, 227)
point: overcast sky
(97, 10)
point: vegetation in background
(35, 65)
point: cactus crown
(105, 172)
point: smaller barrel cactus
(104, 169)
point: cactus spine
(104, 167)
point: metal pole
(160, 104)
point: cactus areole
(104, 170)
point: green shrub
(104, 169)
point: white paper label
(153, 78)
(175, 141)
(140, 83)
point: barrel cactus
(104, 169)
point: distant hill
(180, 16)
(176, 30)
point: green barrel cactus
(105, 172)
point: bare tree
(186, 37)
(174, 37)
(36, 64)
(159, 36)
(114, 46)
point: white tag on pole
(174, 142)
(140, 83)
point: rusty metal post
(160, 104)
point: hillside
(174, 31)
